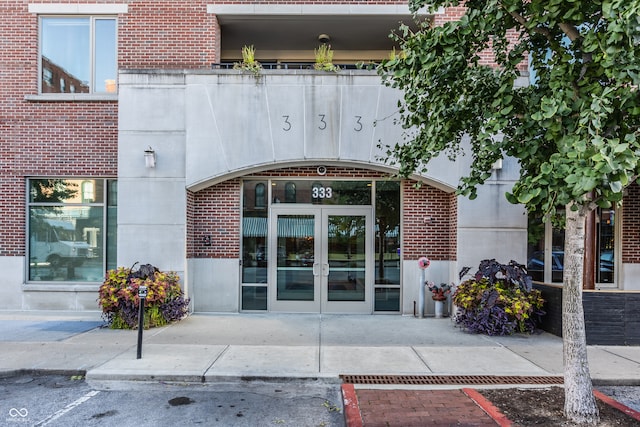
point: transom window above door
(321, 192)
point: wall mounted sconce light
(497, 165)
(150, 158)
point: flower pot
(439, 306)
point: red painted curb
(487, 407)
(619, 406)
(352, 415)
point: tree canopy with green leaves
(574, 126)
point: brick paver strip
(407, 408)
(488, 407)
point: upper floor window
(78, 54)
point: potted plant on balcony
(249, 62)
(324, 59)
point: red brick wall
(631, 225)
(217, 212)
(429, 223)
(191, 205)
(167, 34)
(80, 138)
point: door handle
(325, 269)
(315, 270)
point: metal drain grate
(449, 379)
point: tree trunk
(579, 405)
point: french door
(323, 259)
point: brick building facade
(78, 199)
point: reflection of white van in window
(55, 244)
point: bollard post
(421, 295)
(142, 295)
(423, 264)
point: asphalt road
(55, 400)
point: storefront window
(546, 249)
(72, 232)
(254, 234)
(387, 246)
(605, 245)
(545, 252)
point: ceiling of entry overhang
(300, 32)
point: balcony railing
(286, 66)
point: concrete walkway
(230, 347)
(208, 347)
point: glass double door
(324, 258)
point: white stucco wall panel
(491, 208)
(476, 244)
(238, 122)
(152, 201)
(203, 155)
(199, 118)
(162, 245)
(205, 150)
(54, 300)
(286, 108)
(169, 149)
(630, 277)
(214, 284)
(243, 123)
(322, 121)
(12, 268)
(386, 132)
(151, 108)
(358, 116)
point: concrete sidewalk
(212, 347)
(231, 348)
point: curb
(38, 371)
(352, 416)
(488, 407)
(619, 406)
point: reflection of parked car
(54, 242)
(535, 266)
(606, 261)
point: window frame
(106, 204)
(550, 261)
(94, 10)
(92, 53)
